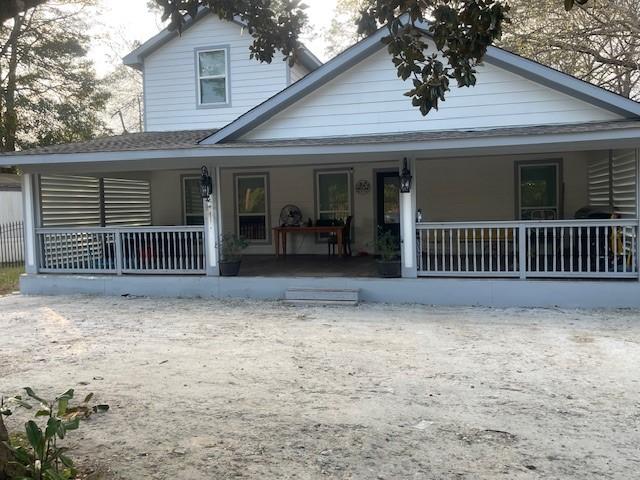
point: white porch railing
(547, 249)
(128, 250)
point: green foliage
(42, 458)
(231, 247)
(387, 245)
(49, 92)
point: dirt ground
(205, 389)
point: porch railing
(545, 249)
(128, 250)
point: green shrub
(42, 458)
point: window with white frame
(192, 201)
(251, 206)
(213, 77)
(333, 195)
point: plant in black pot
(231, 247)
(388, 250)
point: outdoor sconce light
(206, 185)
(405, 179)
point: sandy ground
(213, 390)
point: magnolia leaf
(35, 438)
(33, 395)
(63, 403)
(68, 395)
(66, 461)
(73, 424)
(53, 425)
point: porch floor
(307, 266)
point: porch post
(211, 228)
(30, 215)
(408, 226)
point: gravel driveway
(203, 389)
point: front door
(388, 202)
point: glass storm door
(388, 202)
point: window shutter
(624, 182)
(599, 179)
(127, 202)
(612, 182)
(69, 201)
(73, 201)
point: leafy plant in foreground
(43, 458)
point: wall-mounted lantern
(405, 178)
(206, 185)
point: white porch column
(211, 233)
(408, 225)
(30, 216)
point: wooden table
(280, 235)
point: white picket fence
(542, 249)
(126, 250)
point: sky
(114, 30)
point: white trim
(408, 224)
(29, 209)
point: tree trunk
(10, 125)
(5, 454)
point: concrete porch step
(322, 296)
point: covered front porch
(543, 215)
(496, 211)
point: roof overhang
(136, 58)
(467, 143)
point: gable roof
(135, 58)
(509, 61)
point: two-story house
(312, 163)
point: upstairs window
(213, 77)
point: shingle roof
(188, 139)
(126, 142)
(426, 136)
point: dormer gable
(204, 77)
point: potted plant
(388, 250)
(231, 247)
